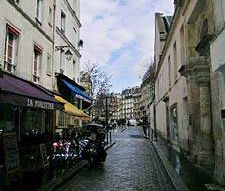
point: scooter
(93, 151)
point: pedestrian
(145, 125)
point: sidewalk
(175, 178)
(59, 181)
(181, 171)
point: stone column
(201, 74)
(205, 136)
(198, 72)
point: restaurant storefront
(27, 115)
(70, 116)
(75, 94)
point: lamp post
(106, 118)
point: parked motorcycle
(64, 153)
(93, 149)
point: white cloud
(117, 25)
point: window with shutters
(36, 64)
(11, 48)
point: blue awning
(78, 93)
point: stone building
(147, 94)
(67, 60)
(127, 101)
(189, 84)
(137, 101)
(116, 106)
(217, 79)
(39, 49)
(27, 38)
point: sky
(118, 35)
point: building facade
(217, 77)
(189, 84)
(137, 102)
(39, 49)
(127, 101)
(147, 94)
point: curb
(108, 147)
(123, 129)
(176, 180)
(57, 183)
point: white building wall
(69, 38)
(176, 90)
(29, 35)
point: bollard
(107, 138)
(110, 137)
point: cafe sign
(39, 104)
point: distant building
(147, 93)
(127, 100)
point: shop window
(7, 118)
(36, 64)
(35, 123)
(11, 49)
(62, 119)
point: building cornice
(27, 17)
(68, 42)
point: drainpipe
(53, 49)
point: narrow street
(132, 164)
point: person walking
(145, 125)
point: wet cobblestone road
(132, 165)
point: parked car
(132, 122)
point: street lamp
(68, 53)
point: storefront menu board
(11, 153)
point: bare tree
(100, 80)
(100, 87)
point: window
(11, 48)
(63, 22)
(74, 5)
(182, 41)
(175, 60)
(39, 10)
(169, 70)
(75, 36)
(49, 65)
(36, 64)
(50, 16)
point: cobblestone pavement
(132, 165)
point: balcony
(10, 67)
